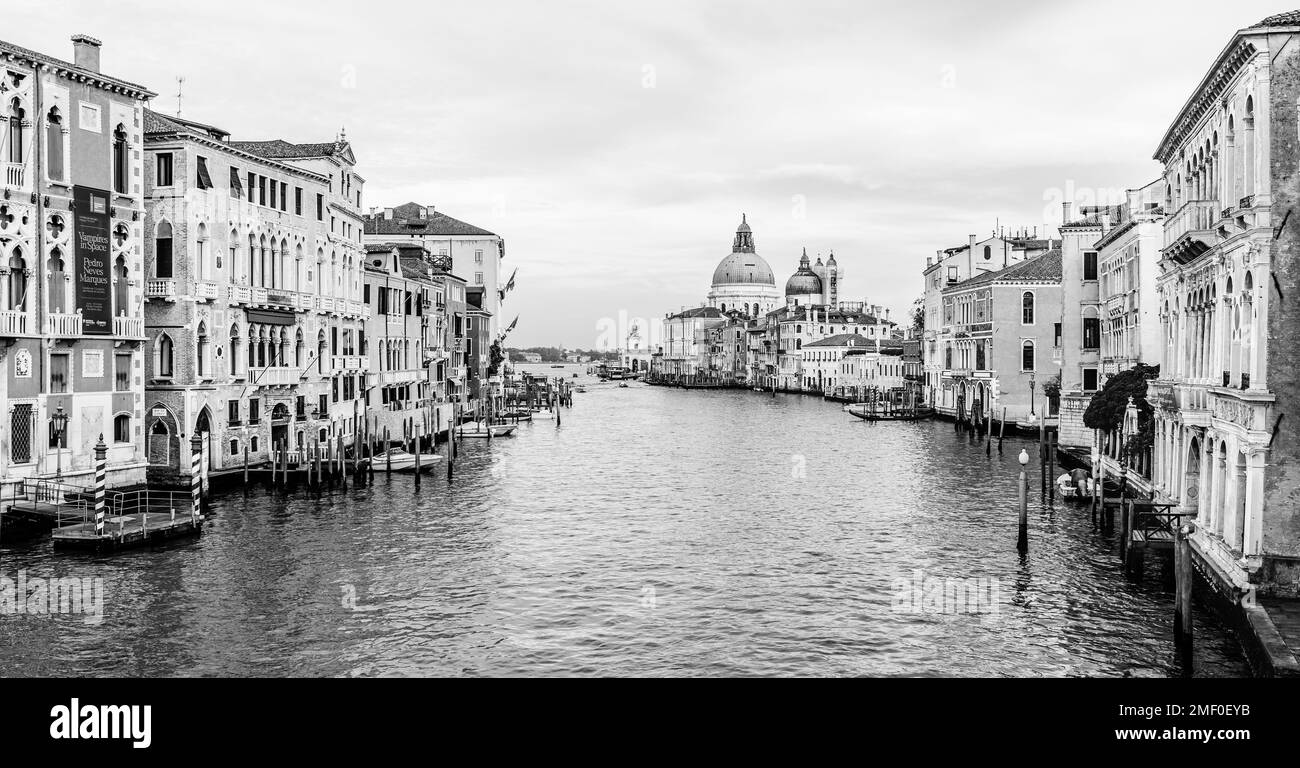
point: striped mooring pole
(196, 474)
(101, 481)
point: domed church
(743, 281)
(813, 285)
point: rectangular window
(324, 405)
(478, 256)
(952, 274)
(273, 198)
(478, 278)
(59, 372)
(1089, 265)
(320, 207)
(252, 187)
(1056, 334)
(232, 412)
(163, 163)
(234, 447)
(254, 410)
(300, 406)
(365, 293)
(1027, 356)
(261, 190)
(297, 201)
(1089, 379)
(236, 189)
(284, 196)
(122, 373)
(202, 179)
(1091, 333)
(162, 252)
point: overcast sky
(615, 144)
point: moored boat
(399, 460)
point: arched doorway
(203, 428)
(159, 443)
(1238, 538)
(1192, 475)
(279, 426)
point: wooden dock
(127, 531)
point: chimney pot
(1065, 212)
(85, 52)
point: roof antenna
(180, 88)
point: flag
(511, 282)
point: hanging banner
(91, 253)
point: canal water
(654, 532)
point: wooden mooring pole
(1022, 539)
(1002, 428)
(1183, 577)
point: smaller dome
(803, 282)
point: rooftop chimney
(1066, 212)
(372, 211)
(1105, 220)
(85, 52)
(427, 212)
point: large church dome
(804, 282)
(743, 266)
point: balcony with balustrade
(63, 324)
(13, 322)
(349, 363)
(159, 288)
(15, 174)
(1189, 232)
(128, 327)
(206, 290)
(274, 376)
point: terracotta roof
(842, 340)
(1040, 269)
(412, 219)
(1287, 19)
(710, 312)
(279, 149)
(155, 123)
(26, 53)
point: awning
(270, 317)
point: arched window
(16, 115)
(162, 251)
(165, 356)
(122, 428)
(17, 280)
(234, 349)
(54, 145)
(251, 277)
(56, 281)
(120, 168)
(1027, 356)
(121, 287)
(203, 348)
(1027, 308)
(299, 350)
(201, 253)
(320, 351)
(233, 264)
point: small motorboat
(581, 390)
(479, 429)
(623, 385)
(519, 414)
(575, 375)
(544, 414)
(398, 460)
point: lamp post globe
(1024, 457)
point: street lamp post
(60, 420)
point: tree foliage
(1106, 411)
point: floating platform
(127, 531)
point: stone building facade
(71, 322)
(1231, 261)
(253, 263)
